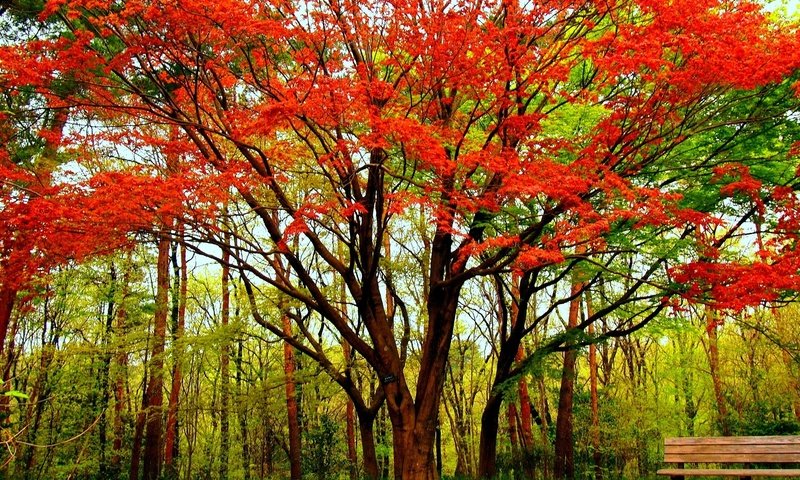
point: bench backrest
(777, 449)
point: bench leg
(746, 465)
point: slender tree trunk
(564, 466)
(381, 431)
(350, 417)
(525, 423)
(526, 418)
(243, 428)
(593, 400)
(153, 448)
(544, 427)
(8, 296)
(511, 414)
(9, 365)
(138, 433)
(291, 402)
(42, 387)
(171, 450)
(120, 374)
(713, 364)
(509, 350)
(105, 373)
(224, 424)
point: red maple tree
(529, 137)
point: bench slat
(717, 472)
(768, 440)
(732, 449)
(732, 458)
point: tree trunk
(525, 423)
(105, 374)
(526, 418)
(511, 414)
(291, 402)
(138, 433)
(490, 422)
(8, 296)
(366, 431)
(171, 450)
(382, 428)
(224, 425)
(120, 374)
(564, 466)
(593, 400)
(350, 417)
(243, 428)
(713, 364)
(151, 465)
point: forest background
(338, 239)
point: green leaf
(16, 394)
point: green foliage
(323, 454)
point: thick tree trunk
(487, 456)
(171, 450)
(291, 402)
(564, 466)
(414, 419)
(366, 432)
(713, 364)
(153, 452)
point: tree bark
(487, 456)
(350, 417)
(564, 466)
(366, 424)
(243, 427)
(105, 374)
(713, 364)
(291, 402)
(593, 400)
(224, 424)
(8, 296)
(153, 452)
(138, 433)
(120, 373)
(509, 351)
(511, 414)
(171, 450)
(525, 417)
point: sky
(791, 6)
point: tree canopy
(365, 164)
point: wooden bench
(724, 451)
